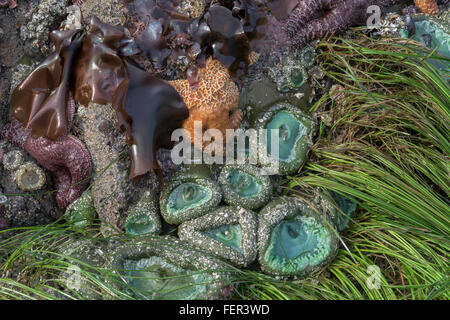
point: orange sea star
(427, 6)
(213, 103)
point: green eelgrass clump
(385, 141)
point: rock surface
(113, 192)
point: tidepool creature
(228, 232)
(427, 6)
(82, 211)
(309, 20)
(213, 102)
(294, 238)
(294, 137)
(189, 194)
(433, 32)
(158, 267)
(143, 218)
(292, 72)
(345, 209)
(12, 160)
(245, 186)
(66, 158)
(29, 177)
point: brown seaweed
(40, 102)
(148, 110)
(229, 30)
(165, 29)
(230, 44)
(98, 70)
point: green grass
(383, 140)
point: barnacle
(29, 177)
(13, 159)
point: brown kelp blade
(40, 102)
(148, 109)
(98, 69)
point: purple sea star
(11, 3)
(66, 158)
(314, 19)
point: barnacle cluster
(292, 72)
(12, 160)
(28, 176)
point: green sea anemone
(82, 211)
(157, 267)
(245, 186)
(294, 238)
(294, 137)
(228, 232)
(144, 217)
(189, 194)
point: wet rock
(46, 18)
(113, 192)
(12, 48)
(109, 11)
